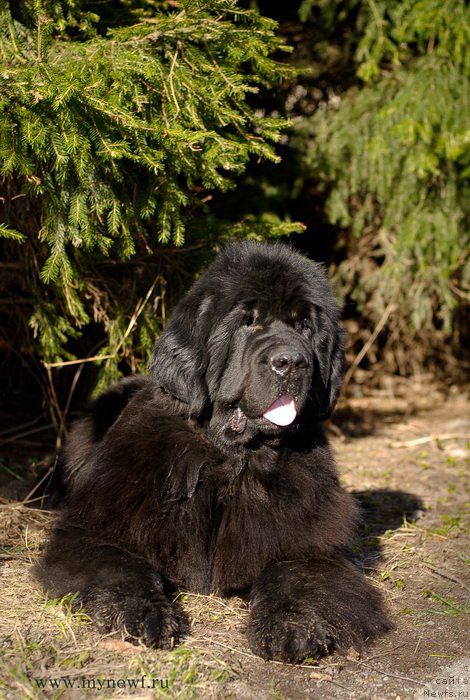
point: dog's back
(75, 458)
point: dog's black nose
(288, 361)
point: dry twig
(360, 356)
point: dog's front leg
(308, 609)
(119, 591)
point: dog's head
(255, 345)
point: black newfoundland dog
(213, 474)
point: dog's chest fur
(239, 519)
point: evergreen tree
(388, 148)
(118, 122)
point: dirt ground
(405, 455)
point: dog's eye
(248, 318)
(304, 327)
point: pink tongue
(282, 411)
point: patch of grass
(451, 525)
(50, 642)
(67, 607)
(408, 548)
(407, 611)
(398, 582)
(407, 526)
(9, 471)
(184, 672)
(449, 605)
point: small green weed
(449, 605)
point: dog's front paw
(288, 636)
(146, 617)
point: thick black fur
(177, 479)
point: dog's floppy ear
(329, 367)
(179, 359)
